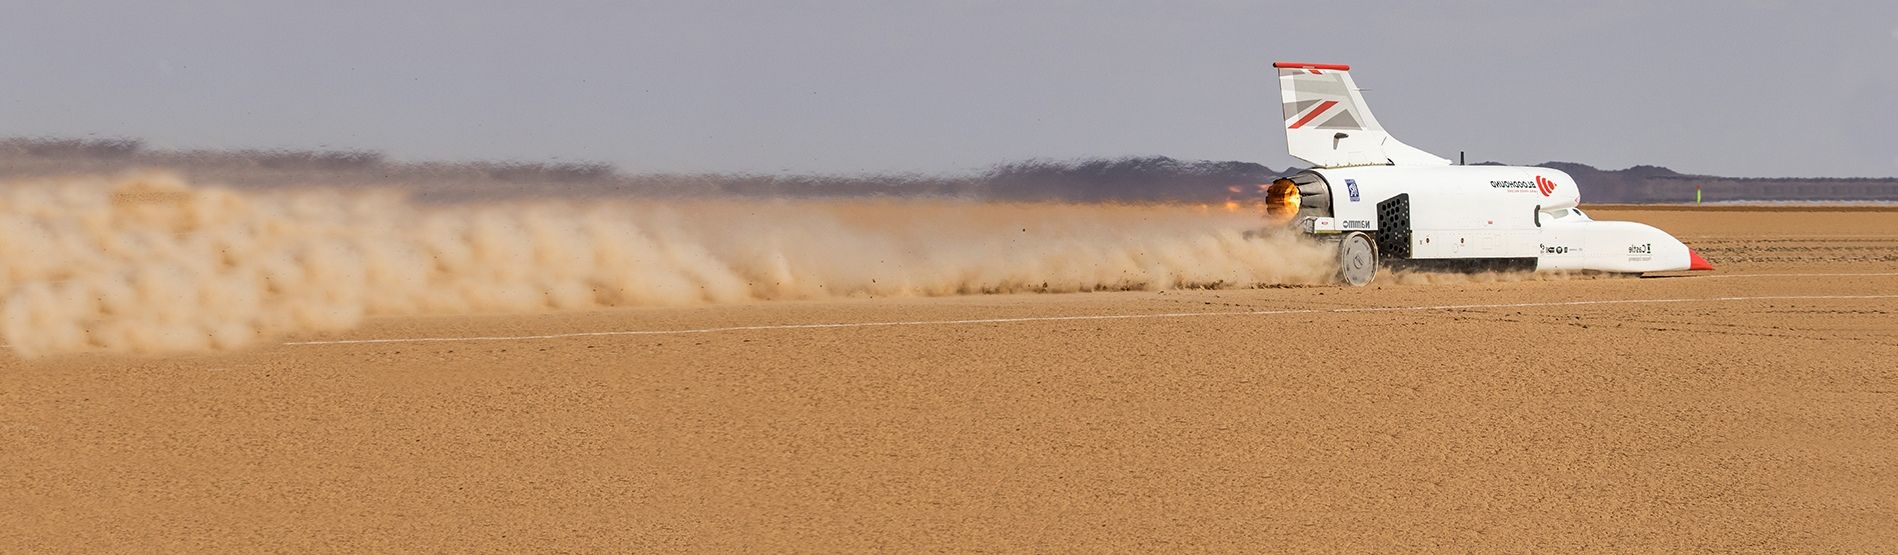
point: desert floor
(1754, 408)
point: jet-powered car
(1386, 203)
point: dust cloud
(148, 263)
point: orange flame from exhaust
(1256, 199)
(1281, 201)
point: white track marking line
(1784, 236)
(1075, 318)
(1867, 274)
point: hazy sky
(1757, 88)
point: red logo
(1545, 185)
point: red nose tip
(1695, 262)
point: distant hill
(1131, 179)
(1655, 184)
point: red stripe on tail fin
(1302, 65)
(1322, 106)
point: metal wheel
(1357, 260)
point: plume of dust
(150, 264)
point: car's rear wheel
(1357, 259)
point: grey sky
(1756, 88)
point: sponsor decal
(1558, 249)
(1355, 224)
(1545, 185)
(1641, 253)
(1351, 186)
(1524, 186)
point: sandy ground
(1746, 412)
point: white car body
(1521, 217)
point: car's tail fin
(1328, 124)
